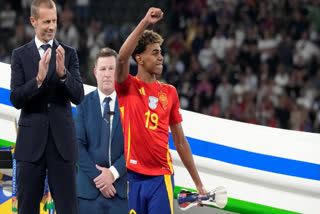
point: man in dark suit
(44, 79)
(101, 179)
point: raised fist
(153, 15)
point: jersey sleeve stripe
(129, 141)
(168, 159)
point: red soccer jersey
(147, 110)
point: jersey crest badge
(163, 99)
(153, 102)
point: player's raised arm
(122, 69)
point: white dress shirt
(39, 43)
(112, 104)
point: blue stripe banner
(5, 96)
(252, 160)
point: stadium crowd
(254, 61)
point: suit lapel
(96, 114)
(116, 120)
(34, 53)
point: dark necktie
(45, 47)
(105, 126)
(106, 109)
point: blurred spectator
(4, 55)
(204, 86)
(297, 24)
(266, 45)
(173, 73)
(305, 50)
(224, 93)
(68, 32)
(205, 55)
(20, 36)
(220, 43)
(282, 77)
(249, 52)
(95, 39)
(198, 41)
(177, 44)
(250, 79)
(307, 95)
(82, 11)
(282, 111)
(186, 91)
(7, 18)
(25, 4)
(296, 117)
(285, 51)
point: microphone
(110, 112)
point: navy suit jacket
(46, 106)
(88, 121)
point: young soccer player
(148, 107)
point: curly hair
(148, 37)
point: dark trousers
(150, 194)
(102, 205)
(61, 179)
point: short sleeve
(122, 89)
(175, 115)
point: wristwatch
(65, 75)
